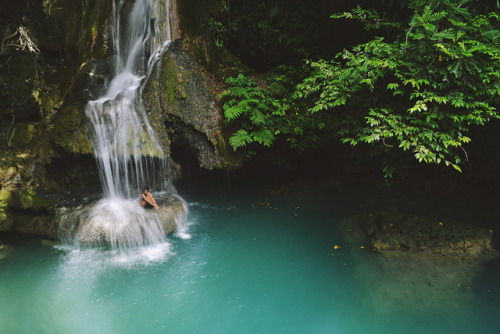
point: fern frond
(239, 139)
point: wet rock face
(111, 225)
(44, 87)
(182, 98)
(393, 231)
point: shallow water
(255, 264)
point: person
(147, 200)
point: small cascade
(181, 220)
(121, 224)
(126, 149)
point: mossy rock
(40, 225)
(17, 84)
(23, 135)
(183, 97)
(29, 199)
(5, 250)
(5, 202)
(396, 232)
(218, 61)
(46, 97)
(173, 83)
(68, 133)
(197, 47)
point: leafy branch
(421, 91)
(252, 107)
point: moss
(29, 199)
(218, 61)
(83, 144)
(5, 202)
(44, 148)
(173, 86)
(5, 196)
(9, 158)
(197, 48)
(23, 135)
(67, 133)
(46, 98)
(169, 79)
(94, 29)
(148, 148)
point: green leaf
(239, 139)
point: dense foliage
(255, 107)
(419, 85)
(258, 114)
(422, 91)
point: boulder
(120, 223)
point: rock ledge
(396, 232)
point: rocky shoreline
(421, 263)
(390, 231)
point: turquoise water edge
(257, 263)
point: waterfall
(126, 149)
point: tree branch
(466, 155)
(4, 41)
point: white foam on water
(210, 207)
(88, 263)
(143, 256)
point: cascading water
(125, 146)
(127, 151)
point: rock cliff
(55, 57)
(181, 99)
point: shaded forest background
(275, 39)
(270, 43)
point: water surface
(256, 263)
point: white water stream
(127, 151)
(125, 146)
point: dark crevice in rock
(73, 172)
(193, 140)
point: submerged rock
(4, 250)
(396, 232)
(412, 268)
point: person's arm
(153, 201)
(150, 199)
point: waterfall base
(121, 223)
